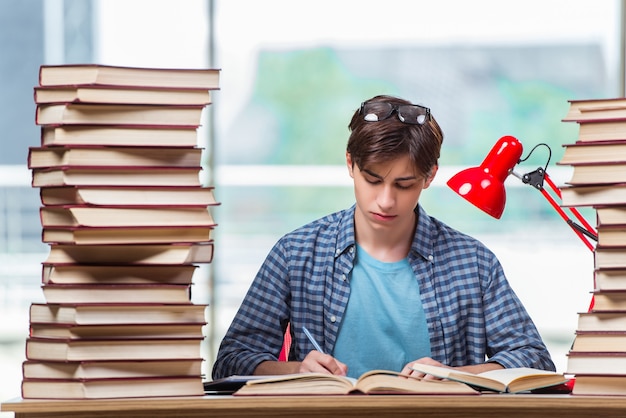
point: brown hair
(385, 140)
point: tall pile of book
(127, 220)
(597, 357)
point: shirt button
(337, 251)
(333, 318)
(431, 258)
(343, 277)
(351, 250)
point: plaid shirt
(471, 311)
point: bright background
(292, 74)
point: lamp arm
(582, 233)
(588, 229)
(536, 179)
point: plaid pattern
(471, 311)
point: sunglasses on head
(411, 113)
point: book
(116, 331)
(112, 274)
(609, 257)
(153, 136)
(113, 293)
(581, 105)
(229, 385)
(34, 369)
(613, 113)
(594, 153)
(128, 196)
(598, 341)
(614, 194)
(116, 176)
(102, 235)
(596, 110)
(178, 253)
(101, 216)
(601, 321)
(596, 174)
(601, 131)
(89, 156)
(121, 94)
(122, 114)
(609, 300)
(118, 216)
(610, 279)
(511, 380)
(118, 320)
(111, 349)
(594, 384)
(112, 388)
(93, 314)
(72, 74)
(610, 215)
(601, 362)
(611, 236)
(373, 382)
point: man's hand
(322, 363)
(407, 371)
(313, 362)
(476, 368)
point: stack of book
(597, 357)
(127, 220)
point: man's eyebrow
(371, 173)
(406, 178)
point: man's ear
(431, 176)
(350, 164)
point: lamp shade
(483, 186)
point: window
(292, 74)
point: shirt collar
(424, 235)
(422, 240)
(345, 232)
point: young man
(382, 285)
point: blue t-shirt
(471, 310)
(384, 326)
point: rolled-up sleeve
(473, 313)
(256, 333)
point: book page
(507, 376)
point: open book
(373, 382)
(510, 380)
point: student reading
(382, 285)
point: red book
(118, 114)
(111, 349)
(116, 176)
(140, 254)
(110, 156)
(112, 388)
(112, 274)
(135, 196)
(114, 293)
(74, 74)
(93, 314)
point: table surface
(484, 405)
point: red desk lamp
(483, 186)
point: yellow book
(512, 380)
(373, 382)
(108, 75)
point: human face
(387, 193)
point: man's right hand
(322, 363)
(313, 362)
